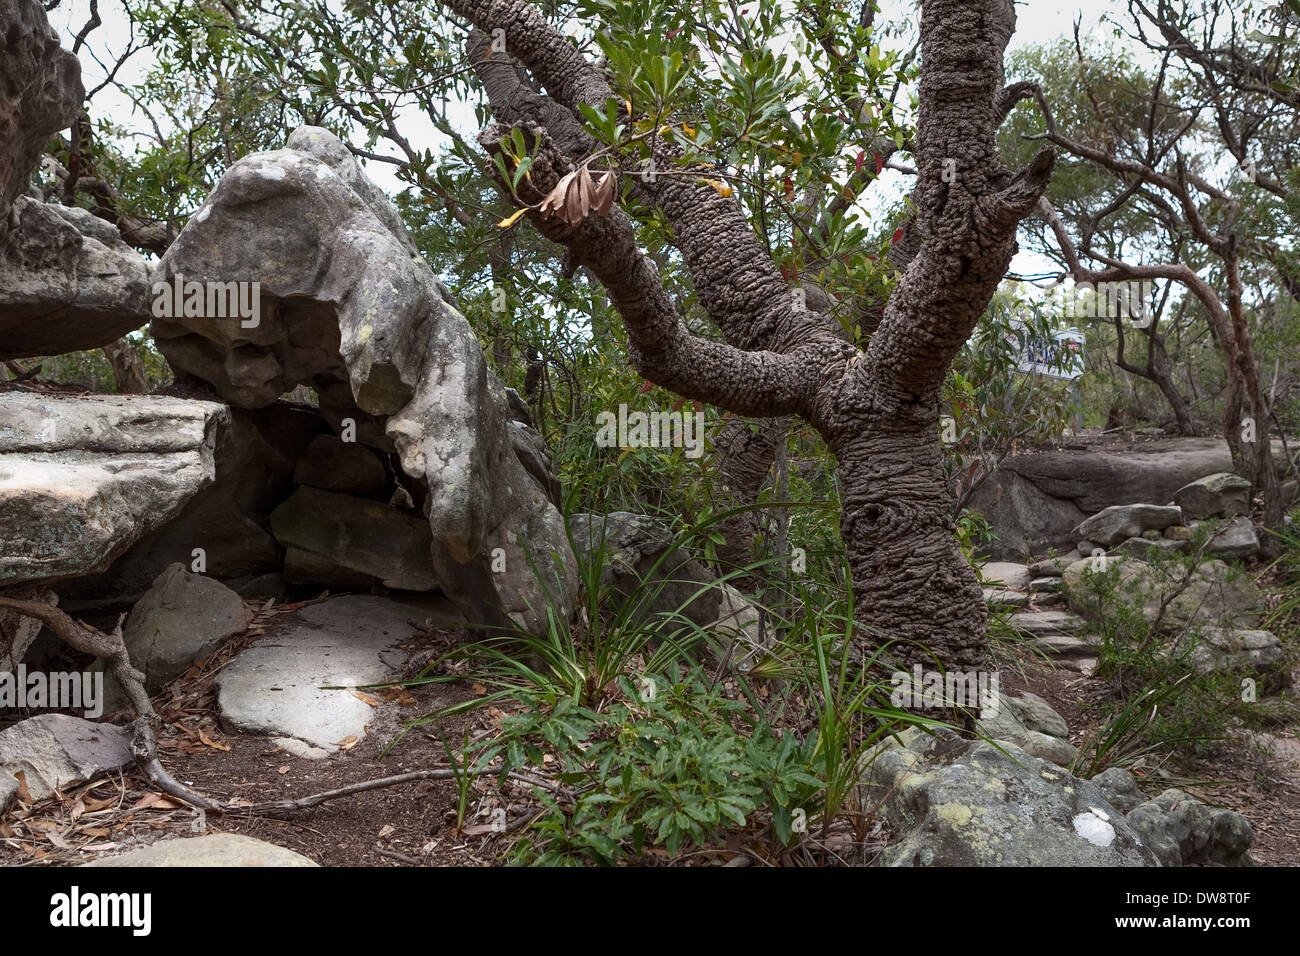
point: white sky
(1038, 21)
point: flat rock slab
(82, 479)
(219, 849)
(277, 687)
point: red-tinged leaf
(880, 163)
(898, 234)
(677, 407)
(862, 158)
(646, 387)
(672, 33)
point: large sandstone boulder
(347, 306)
(82, 479)
(67, 282)
(1035, 501)
(1118, 523)
(1220, 494)
(40, 94)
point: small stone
(1053, 567)
(1006, 573)
(1005, 597)
(1178, 532)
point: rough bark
(878, 410)
(128, 370)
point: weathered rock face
(1119, 522)
(345, 467)
(347, 306)
(1035, 501)
(81, 479)
(255, 456)
(965, 803)
(1212, 596)
(1180, 830)
(1183, 832)
(55, 751)
(17, 632)
(1030, 723)
(1236, 539)
(40, 94)
(344, 542)
(183, 617)
(638, 549)
(1223, 494)
(67, 282)
(1242, 651)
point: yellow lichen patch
(953, 814)
(364, 333)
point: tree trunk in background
(128, 370)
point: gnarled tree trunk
(877, 409)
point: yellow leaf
(511, 219)
(796, 157)
(688, 130)
(722, 189)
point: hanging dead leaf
(604, 200)
(553, 206)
